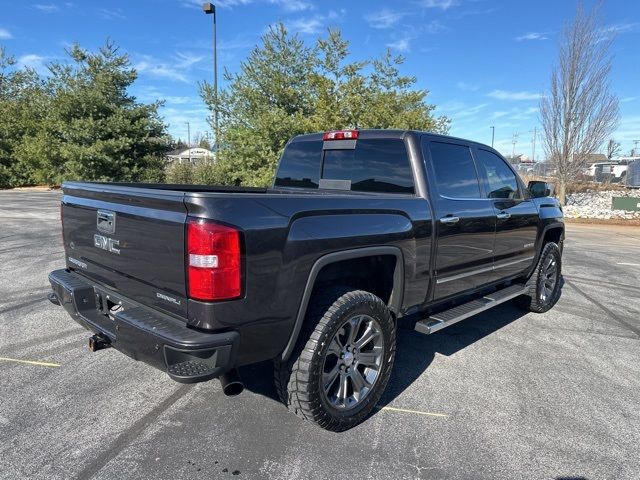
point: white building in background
(193, 154)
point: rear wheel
(544, 285)
(623, 178)
(342, 362)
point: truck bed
(178, 187)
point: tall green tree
(286, 87)
(23, 103)
(93, 128)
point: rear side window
(375, 165)
(456, 175)
(300, 165)
(501, 181)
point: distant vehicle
(633, 174)
(623, 172)
(526, 168)
(611, 171)
(360, 229)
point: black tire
(540, 299)
(298, 380)
(623, 178)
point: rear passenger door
(516, 215)
(465, 218)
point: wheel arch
(395, 298)
(554, 232)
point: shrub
(154, 170)
(207, 174)
(179, 173)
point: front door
(466, 220)
(516, 215)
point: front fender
(549, 208)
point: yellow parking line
(30, 362)
(417, 412)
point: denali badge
(77, 262)
(106, 221)
(162, 296)
(106, 243)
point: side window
(300, 165)
(456, 175)
(376, 165)
(501, 181)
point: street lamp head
(208, 8)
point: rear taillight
(214, 263)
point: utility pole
(514, 140)
(635, 148)
(535, 135)
(189, 140)
(210, 9)
(208, 145)
(493, 134)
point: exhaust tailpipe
(231, 383)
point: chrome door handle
(449, 220)
(503, 215)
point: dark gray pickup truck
(360, 229)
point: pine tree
(93, 129)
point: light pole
(210, 9)
(493, 134)
(189, 140)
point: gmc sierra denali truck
(360, 229)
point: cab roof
(369, 133)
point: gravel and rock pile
(593, 204)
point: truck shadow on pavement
(414, 353)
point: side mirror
(540, 189)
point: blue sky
(485, 62)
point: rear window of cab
(375, 165)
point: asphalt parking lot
(500, 395)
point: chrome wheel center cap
(348, 358)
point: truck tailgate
(129, 239)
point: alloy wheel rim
(549, 279)
(353, 362)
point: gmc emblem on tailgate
(106, 243)
(106, 221)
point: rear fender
(395, 300)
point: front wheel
(545, 283)
(342, 362)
